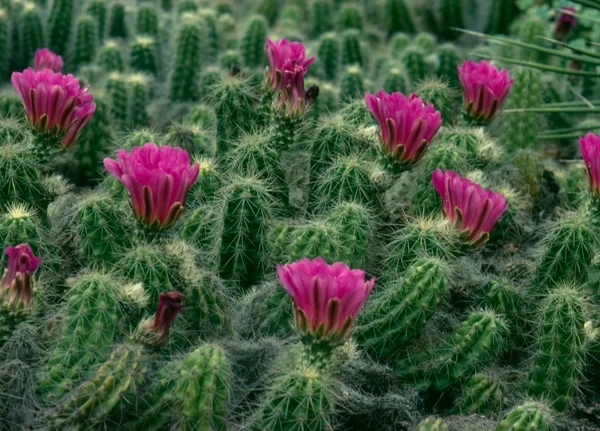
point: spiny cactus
(203, 389)
(329, 55)
(85, 42)
(185, 77)
(253, 42)
(349, 16)
(398, 17)
(197, 142)
(352, 83)
(139, 93)
(110, 57)
(557, 371)
(449, 57)
(432, 424)
(479, 394)
(117, 24)
(60, 25)
(207, 308)
(144, 56)
(527, 416)
(413, 59)
(351, 49)
(33, 32)
(147, 21)
(477, 341)
(395, 80)
(451, 16)
(19, 176)
(438, 93)
(116, 88)
(18, 225)
(97, 9)
(321, 16)
(4, 55)
(209, 182)
(398, 314)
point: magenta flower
(158, 180)
(46, 59)
(565, 22)
(327, 298)
(169, 305)
(288, 66)
(485, 89)
(55, 103)
(406, 124)
(16, 287)
(590, 150)
(473, 209)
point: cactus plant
(85, 43)
(527, 416)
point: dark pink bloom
(590, 150)
(16, 287)
(473, 209)
(327, 298)
(55, 103)
(46, 59)
(485, 89)
(288, 66)
(169, 304)
(158, 180)
(406, 124)
(565, 22)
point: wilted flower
(327, 298)
(288, 66)
(565, 22)
(154, 331)
(590, 150)
(46, 59)
(55, 103)
(158, 180)
(16, 287)
(406, 124)
(473, 209)
(485, 89)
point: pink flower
(55, 103)
(327, 298)
(169, 304)
(565, 22)
(46, 59)
(288, 66)
(590, 150)
(158, 180)
(473, 209)
(406, 124)
(485, 88)
(16, 287)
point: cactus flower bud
(327, 298)
(565, 22)
(158, 180)
(169, 304)
(473, 209)
(16, 287)
(55, 104)
(46, 59)
(485, 89)
(406, 124)
(288, 66)
(590, 150)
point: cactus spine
(402, 310)
(528, 416)
(480, 394)
(203, 389)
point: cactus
(248, 210)
(139, 92)
(321, 16)
(18, 225)
(451, 15)
(253, 42)
(116, 88)
(398, 17)
(207, 308)
(97, 9)
(557, 371)
(352, 83)
(213, 41)
(186, 73)
(187, 6)
(355, 226)
(398, 43)
(437, 92)
(501, 15)
(480, 394)
(85, 42)
(329, 55)
(33, 33)
(530, 31)
(397, 315)
(106, 396)
(312, 240)
(161, 399)
(413, 59)
(144, 55)
(351, 49)
(449, 57)
(432, 424)
(521, 128)
(528, 416)
(147, 22)
(194, 140)
(506, 299)
(89, 330)
(349, 16)
(230, 59)
(110, 57)
(268, 9)
(203, 117)
(476, 342)
(299, 400)
(568, 252)
(19, 176)
(208, 183)
(203, 229)
(4, 54)
(117, 25)
(101, 229)
(210, 78)
(59, 25)
(426, 41)
(395, 80)
(203, 389)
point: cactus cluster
(291, 215)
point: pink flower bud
(46, 59)
(16, 287)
